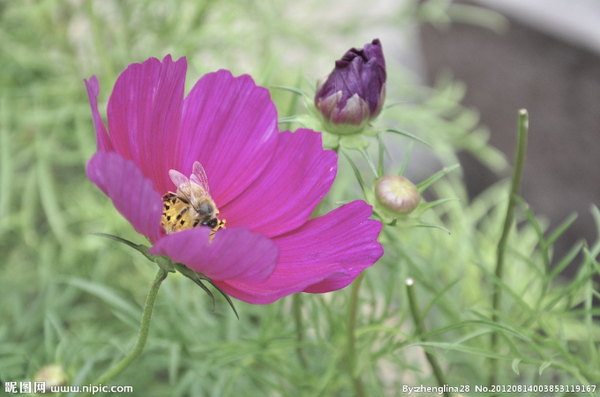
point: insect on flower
(158, 142)
(191, 205)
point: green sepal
(330, 141)
(198, 278)
(356, 142)
(305, 120)
(371, 131)
(168, 266)
(162, 261)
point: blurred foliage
(71, 298)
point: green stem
(297, 310)
(358, 386)
(142, 336)
(420, 330)
(508, 221)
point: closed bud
(354, 92)
(397, 195)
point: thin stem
(297, 310)
(358, 386)
(420, 330)
(142, 336)
(508, 221)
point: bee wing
(199, 177)
(178, 178)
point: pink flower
(265, 183)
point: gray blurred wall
(548, 61)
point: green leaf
(291, 89)
(464, 349)
(482, 323)
(561, 229)
(426, 206)
(381, 151)
(408, 135)
(106, 294)
(386, 106)
(544, 365)
(406, 158)
(432, 179)
(515, 365)
(367, 157)
(361, 182)
(431, 225)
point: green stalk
(358, 386)
(142, 336)
(297, 310)
(508, 221)
(420, 330)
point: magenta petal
(324, 255)
(236, 254)
(144, 115)
(346, 236)
(280, 284)
(102, 139)
(286, 193)
(230, 126)
(132, 194)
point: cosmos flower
(354, 92)
(264, 184)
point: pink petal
(325, 254)
(279, 284)
(132, 194)
(144, 115)
(230, 126)
(235, 254)
(284, 196)
(102, 139)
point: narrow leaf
(429, 181)
(408, 135)
(544, 365)
(515, 365)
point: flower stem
(297, 309)
(142, 336)
(358, 386)
(420, 330)
(523, 129)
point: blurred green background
(72, 298)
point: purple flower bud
(354, 92)
(397, 195)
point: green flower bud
(397, 195)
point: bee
(191, 206)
